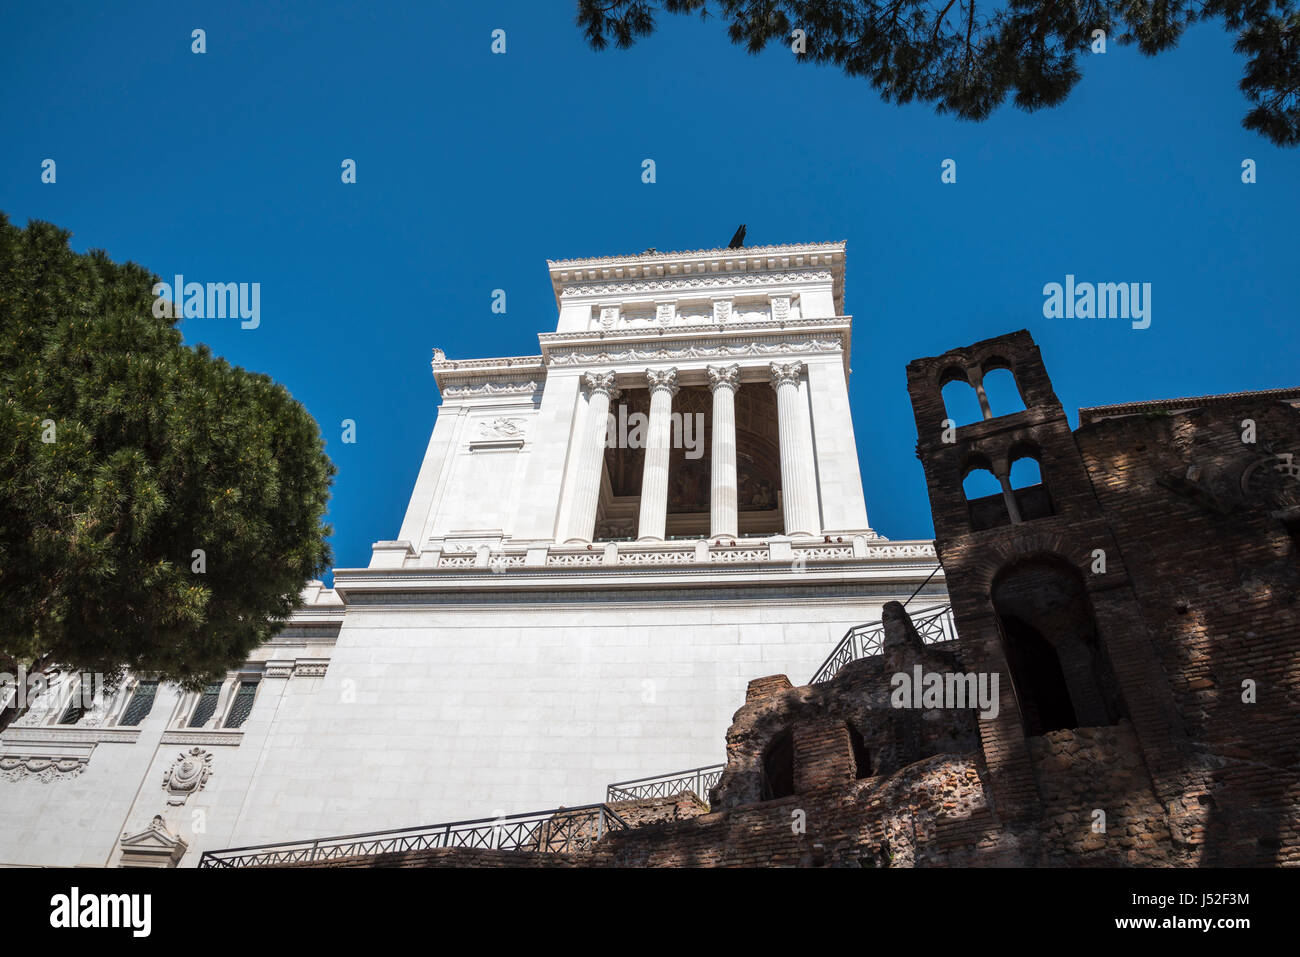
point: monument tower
(606, 541)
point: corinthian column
(798, 483)
(586, 490)
(654, 480)
(723, 382)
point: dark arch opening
(861, 756)
(1062, 675)
(1040, 683)
(985, 504)
(778, 767)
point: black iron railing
(560, 830)
(934, 624)
(698, 780)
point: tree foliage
(966, 58)
(159, 450)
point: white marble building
(568, 602)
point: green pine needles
(160, 509)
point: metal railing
(934, 624)
(698, 780)
(559, 830)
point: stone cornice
(509, 375)
(637, 595)
(1090, 414)
(691, 255)
(507, 365)
(701, 268)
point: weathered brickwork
(1163, 574)
(1140, 606)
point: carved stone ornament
(502, 428)
(662, 379)
(155, 846)
(1275, 480)
(601, 382)
(189, 773)
(786, 372)
(726, 377)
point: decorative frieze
(69, 734)
(39, 768)
(492, 387)
(862, 548)
(215, 738)
(698, 351)
(707, 281)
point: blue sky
(475, 168)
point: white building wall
(463, 713)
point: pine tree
(967, 58)
(157, 450)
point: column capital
(600, 382)
(783, 372)
(662, 379)
(724, 377)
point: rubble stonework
(1139, 605)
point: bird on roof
(738, 240)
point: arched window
(778, 767)
(959, 398)
(984, 500)
(1000, 388)
(1032, 498)
(1060, 671)
(861, 756)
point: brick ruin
(1138, 602)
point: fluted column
(723, 382)
(798, 483)
(654, 480)
(586, 491)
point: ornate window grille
(141, 704)
(242, 705)
(207, 705)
